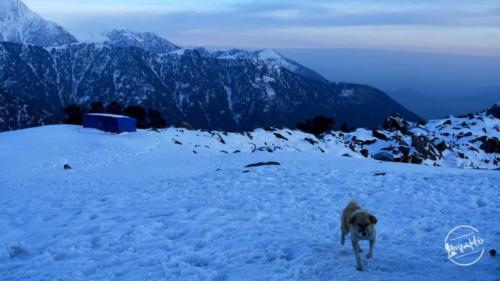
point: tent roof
(107, 115)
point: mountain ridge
(210, 89)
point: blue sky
(450, 26)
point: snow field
(140, 207)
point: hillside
(209, 91)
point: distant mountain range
(43, 68)
(431, 106)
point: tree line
(151, 118)
(146, 118)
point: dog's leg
(355, 248)
(343, 230)
(370, 252)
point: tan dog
(361, 226)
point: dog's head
(363, 223)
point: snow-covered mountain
(270, 57)
(144, 40)
(212, 89)
(153, 43)
(19, 24)
(205, 91)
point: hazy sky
(454, 26)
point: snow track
(139, 207)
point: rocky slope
(471, 141)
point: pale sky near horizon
(450, 26)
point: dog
(361, 226)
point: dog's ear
(373, 219)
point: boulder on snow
(383, 156)
(258, 164)
(364, 152)
(409, 158)
(423, 146)
(404, 149)
(311, 141)
(442, 146)
(280, 136)
(379, 135)
(489, 145)
(494, 111)
(67, 167)
(396, 123)
(463, 135)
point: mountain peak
(13, 9)
(145, 40)
(269, 54)
(19, 24)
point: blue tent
(109, 122)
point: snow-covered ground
(182, 206)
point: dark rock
(364, 152)
(462, 135)
(494, 111)
(177, 142)
(269, 163)
(493, 252)
(368, 142)
(447, 122)
(404, 149)
(220, 139)
(346, 155)
(424, 147)
(461, 155)
(442, 146)
(489, 145)
(411, 159)
(473, 149)
(396, 123)
(384, 156)
(352, 147)
(380, 174)
(67, 167)
(415, 159)
(379, 135)
(236, 151)
(280, 136)
(400, 140)
(265, 148)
